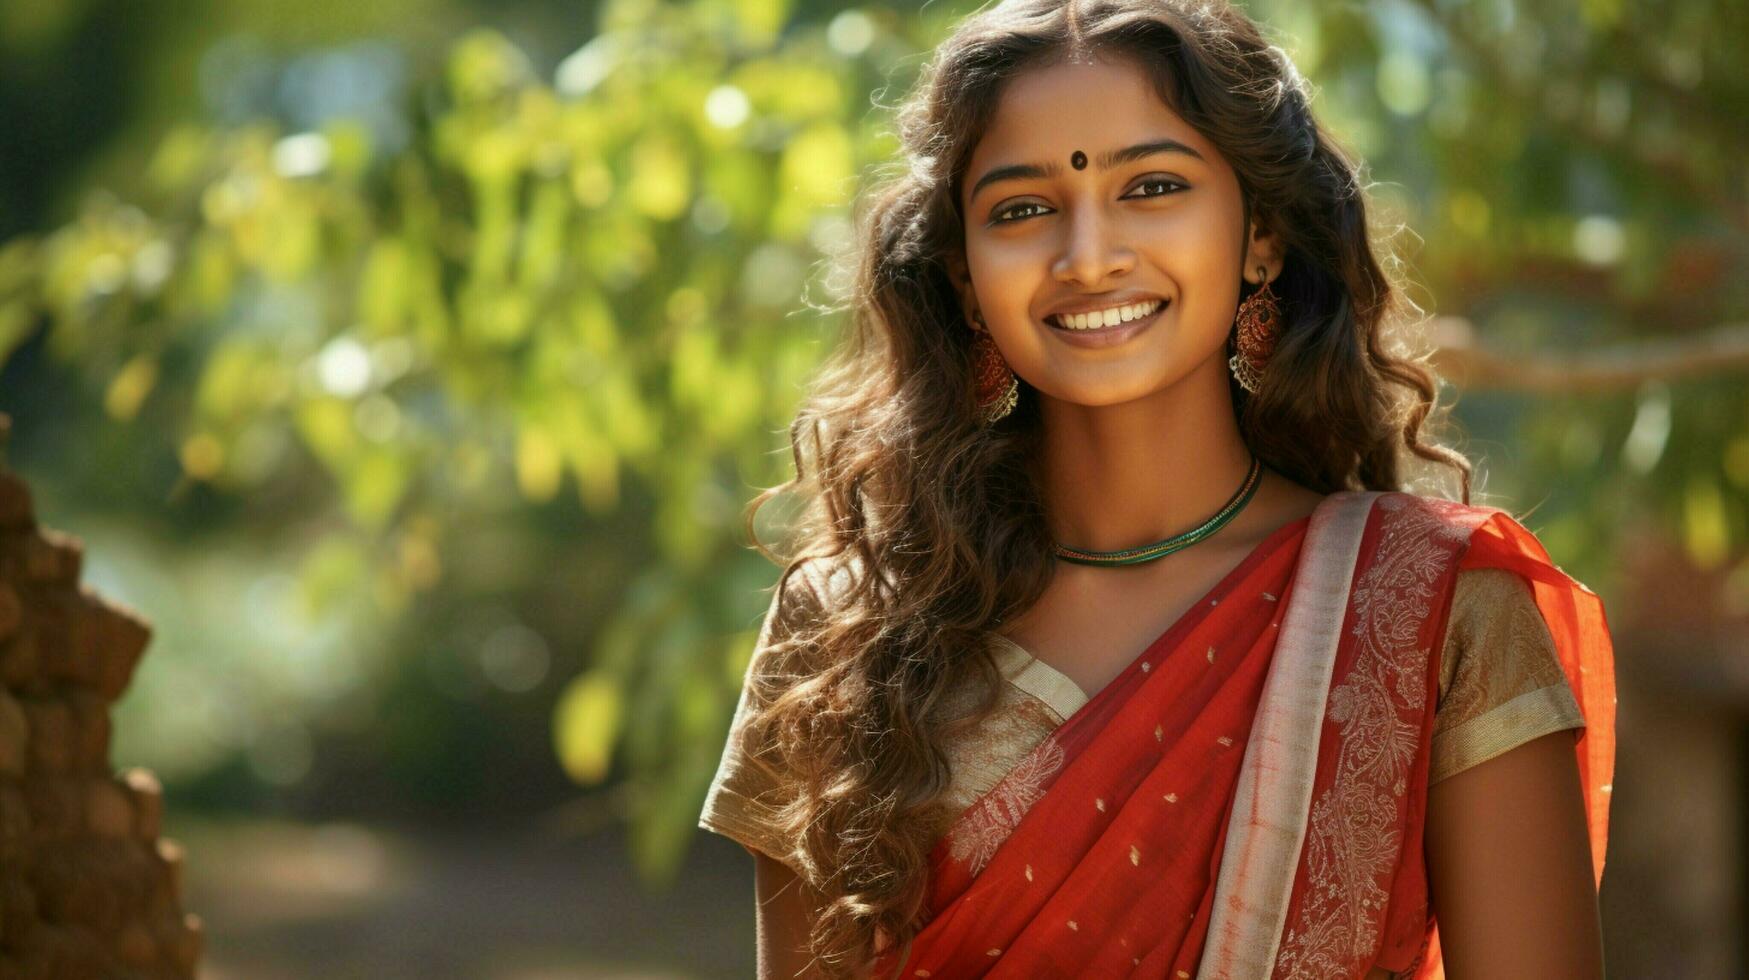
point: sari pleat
(1203, 816)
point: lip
(1108, 336)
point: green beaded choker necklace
(1178, 542)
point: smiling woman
(1117, 642)
(1159, 220)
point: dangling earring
(1258, 323)
(998, 388)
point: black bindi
(1078, 160)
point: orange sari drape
(1246, 799)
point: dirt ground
(340, 901)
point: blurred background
(408, 364)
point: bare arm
(1509, 862)
(783, 906)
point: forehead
(1043, 115)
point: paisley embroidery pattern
(1353, 841)
(982, 829)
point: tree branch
(1458, 358)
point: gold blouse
(1500, 686)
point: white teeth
(1106, 318)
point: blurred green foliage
(461, 406)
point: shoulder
(808, 593)
(1500, 678)
(1494, 613)
(1407, 519)
(807, 588)
(835, 576)
(1441, 510)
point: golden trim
(746, 821)
(1268, 822)
(1049, 685)
(1528, 716)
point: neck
(1122, 476)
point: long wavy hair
(921, 528)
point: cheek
(1008, 275)
(1000, 265)
(1200, 255)
(1201, 231)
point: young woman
(1114, 645)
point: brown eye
(1011, 209)
(1172, 187)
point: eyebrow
(1027, 171)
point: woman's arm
(1509, 862)
(783, 907)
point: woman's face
(1088, 193)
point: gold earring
(1257, 326)
(998, 388)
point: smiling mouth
(1116, 316)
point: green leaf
(660, 182)
(586, 725)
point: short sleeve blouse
(1500, 686)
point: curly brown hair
(923, 528)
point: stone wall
(88, 887)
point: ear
(1263, 248)
(960, 275)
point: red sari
(1246, 799)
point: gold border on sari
(1267, 826)
(1037, 678)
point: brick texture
(88, 888)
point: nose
(1093, 252)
